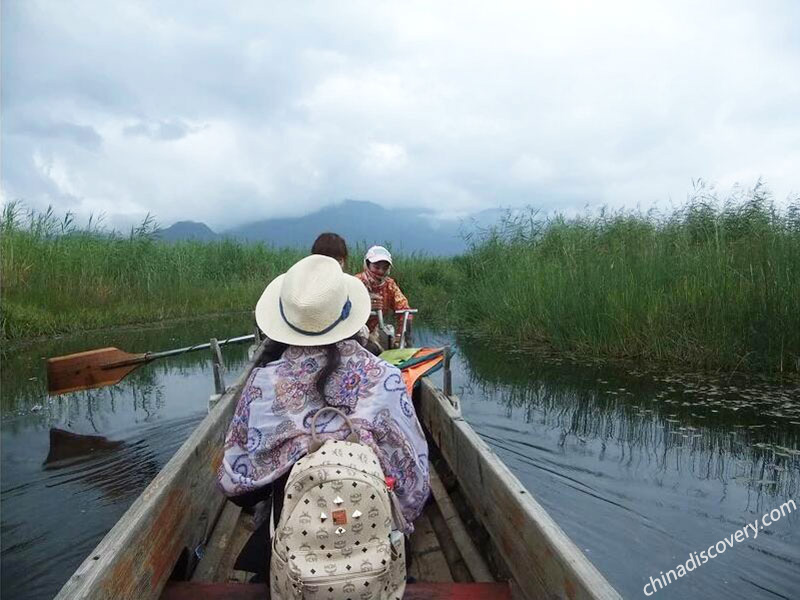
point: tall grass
(714, 284)
(57, 277)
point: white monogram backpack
(338, 536)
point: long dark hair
(272, 352)
(334, 359)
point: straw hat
(313, 304)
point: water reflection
(640, 469)
(112, 467)
(67, 447)
(683, 425)
(71, 465)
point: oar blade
(87, 370)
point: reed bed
(58, 278)
(714, 284)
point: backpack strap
(400, 520)
(316, 443)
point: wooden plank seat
(190, 590)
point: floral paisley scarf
(270, 429)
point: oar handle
(107, 366)
(148, 356)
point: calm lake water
(639, 469)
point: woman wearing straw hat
(311, 314)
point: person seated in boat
(311, 314)
(385, 294)
(333, 245)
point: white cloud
(531, 169)
(264, 110)
(384, 158)
(57, 172)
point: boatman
(383, 290)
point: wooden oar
(107, 366)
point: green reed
(58, 278)
(714, 284)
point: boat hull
(166, 528)
(167, 523)
(544, 562)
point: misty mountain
(362, 223)
(187, 230)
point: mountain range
(358, 222)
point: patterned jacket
(270, 429)
(390, 296)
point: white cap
(377, 254)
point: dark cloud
(82, 135)
(161, 130)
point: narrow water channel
(642, 469)
(639, 469)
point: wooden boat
(482, 536)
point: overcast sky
(225, 112)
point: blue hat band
(344, 314)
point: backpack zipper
(321, 580)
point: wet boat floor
(438, 569)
